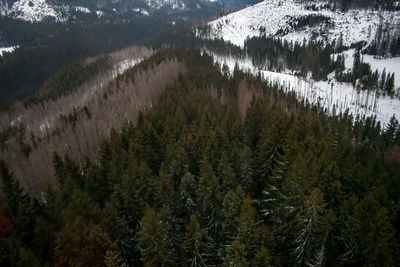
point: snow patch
(9, 49)
(82, 9)
(99, 13)
(142, 11)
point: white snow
(34, 10)
(391, 65)
(275, 15)
(157, 4)
(142, 11)
(82, 9)
(122, 66)
(275, 18)
(9, 49)
(99, 13)
(333, 96)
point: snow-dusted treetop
(280, 18)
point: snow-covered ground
(82, 9)
(9, 49)
(271, 16)
(391, 65)
(277, 18)
(40, 10)
(334, 96)
(34, 10)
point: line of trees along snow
(347, 4)
(226, 170)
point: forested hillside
(225, 169)
(47, 48)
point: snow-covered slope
(62, 10)
(333, 96)
(281, 18)
(300, 21)
(32, 10)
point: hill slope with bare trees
(75, 123)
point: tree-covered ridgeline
(46, 48)
(344, 5)
(226, 170)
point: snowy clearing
(380, 64)
(333, 96)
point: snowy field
(335, 97)
(387, 64)
(270, 16)
(276, 18)
(9, 49)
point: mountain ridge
(64, 10)
(297, 21)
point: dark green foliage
(70, 78)
(276, 54)
(193, 244)
(193, 183)
(153, 240)
(14, 193)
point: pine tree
(231, 208)
(391, 131)
(311, 231)
(226, 174)
(112, 259)
(272, 167)
(81, 244)
(262, 258)
(389, 85)
(188, 189)
(154, 242)
(193, 245)
(12, 190)
(209, 204)
(250, 233)
(58, 166)
(382, 81)
(356, 65)
(236, 255)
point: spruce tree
(311, 231)
(382, 81)
(154, 243)
(236, 255)
(356, 65)
(389, 85)
(12, 190)
(193, 245)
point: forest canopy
(225, 169)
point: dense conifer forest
(223, 170)
(179, 161)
